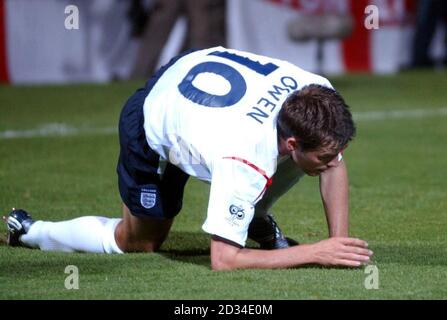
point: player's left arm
(334, 192)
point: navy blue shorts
(142, 189)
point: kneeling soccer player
(250, 125)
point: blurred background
(46, 41)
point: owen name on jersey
(265, 106)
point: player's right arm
(345, 252)
(235, 187)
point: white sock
(84, 234)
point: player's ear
(292, 144)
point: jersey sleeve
(236, 186)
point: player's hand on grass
(348, 252)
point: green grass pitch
(398, 183)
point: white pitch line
(55, 129)
(399, 114)
(63, 129)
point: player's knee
(151, 246)
(129, 243)
(147, 246)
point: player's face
(313, 163)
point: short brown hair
(318, 117)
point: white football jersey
(213, 114)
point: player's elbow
(222, 264)
(223, 256)
(218, 265)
